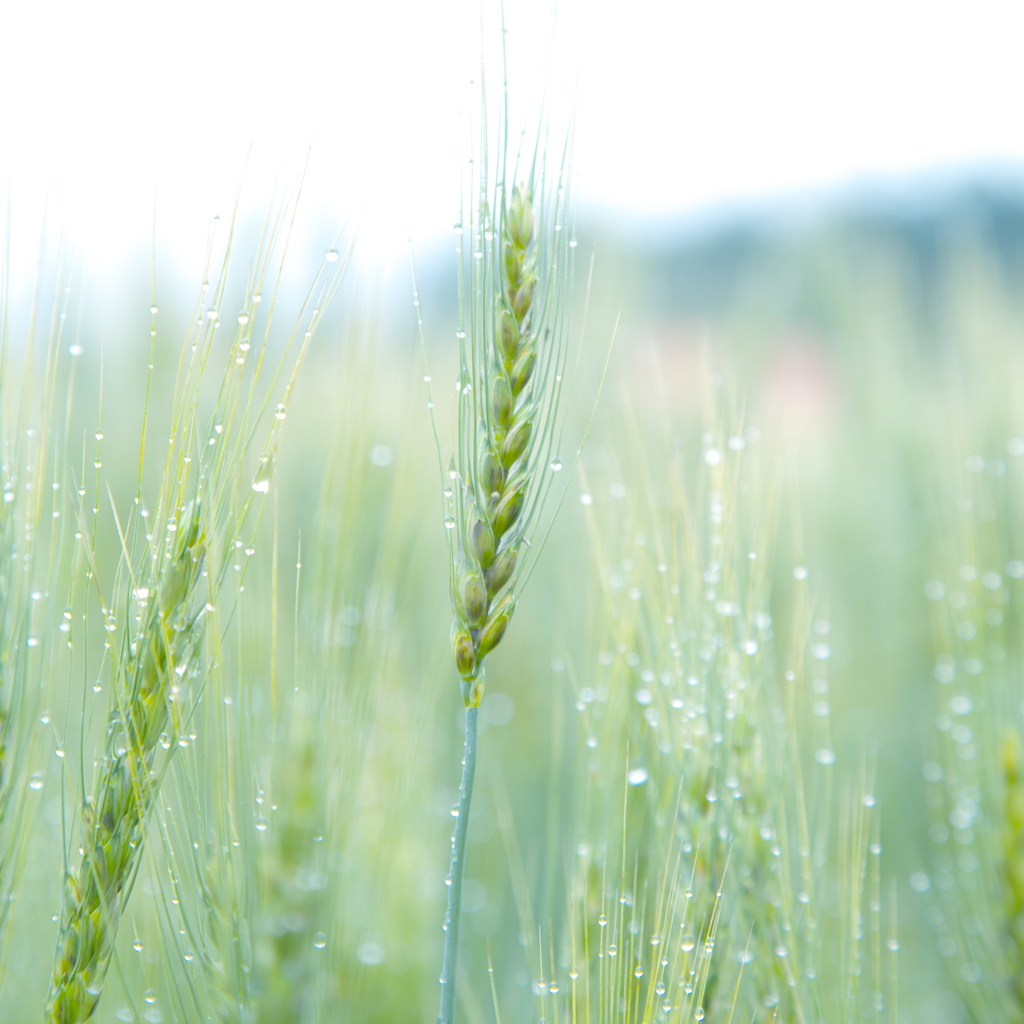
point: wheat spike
(497, 487)
(114, 818)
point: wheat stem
(455, 877)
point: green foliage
(785, 576)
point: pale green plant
(974, 775)
(513, 276)
(730, 889)
(32, 551)
(170, 577)
(285, 905)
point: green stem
(454, 912)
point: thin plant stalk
(453, 914)
(508, 391)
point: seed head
(509, 411)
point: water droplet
(893, 945)
(712, 456)
(261, 486)
(799, 573)
(586, 499)
(261, 824)
(45, 718)
(36, 781)
(825, 756)
(150, 996)
(455, 810)
(137, 945)
(331, 255)
(60, 750)
(211, 314)
(637, 776)
(76, 349)
(140, 593)
(97, 686)
(243, 318)
(556, 464)
(381, 456)
(602, 920)
(449, 522)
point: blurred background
(816, 207)
(685, 112)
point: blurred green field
(800, 500)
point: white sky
(681, 104)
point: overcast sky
(682, 104)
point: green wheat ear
(507, 406)
(114, 820)
(204, 503)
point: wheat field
(750, 748)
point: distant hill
(705, 266)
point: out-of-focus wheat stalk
(205, 498)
